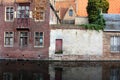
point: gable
(68, 13)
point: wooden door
(58, 45)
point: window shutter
(15, 15)
(30, 14)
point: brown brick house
(111, 37)
(24, 29)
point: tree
(94, 7)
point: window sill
(39, 20)
(114, 52)
(38, 46)
(8, 46)
(9, 20)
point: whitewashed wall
(77, 42)
(81, 20)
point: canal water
(42, 70)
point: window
(23, 39)
(39, 39)
(23, 11)
(70, 12)
(38, 14)
(8, 41)
(9, 15)
(7, 76)
(115, 44)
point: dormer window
(70, 12)
(23, 10)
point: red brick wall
(29, 52)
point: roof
(112, 22)
(62, 12)
(114, 6)
(81, 10)
(63, 6)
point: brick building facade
(111, 37)
(24, 29)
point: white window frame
(34, 41)
(20, 38)
(40, 19)
(5, 40)
(24, 11)
(115, 42)
(13, 14)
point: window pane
(41, 33)
(23, 7)
(37, 43)
(7, 16)
(39, 39)
(37, 34)
(6, 34)
(8, 9)
(70, 12)
(19, 8)
(23, 39)
(24, 34)
(11, 41)
(11, 16)
(6, 41)
(115, 43)
(11, 9)
(27, 7)
(27, 14)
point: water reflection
(38, 70)
(23, 71)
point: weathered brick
(29, 52)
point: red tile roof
(80, 6)
(114, 6)
(63, 6)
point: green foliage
(94, 9)
(59, 52)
